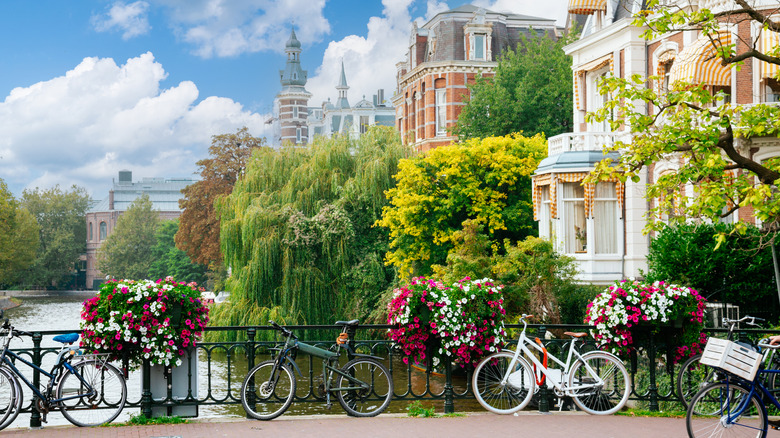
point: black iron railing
(214, 373)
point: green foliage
(573, 299)
(142, 420)
(418, 409)
(18, 238)
(486, 180)
(296, 230)
(171, 261)
(63, 234)
(127, 252)
(739, 272)
(530, 93)
(531, 272)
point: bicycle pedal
(328, 406)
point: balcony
(583, 141)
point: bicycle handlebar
(751, 320)
(764, 343)
(287, 333)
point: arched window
(90, 231)
(103, 230)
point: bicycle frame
(522, 346)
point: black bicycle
(363, 386)
(85, 388)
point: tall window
(441, 112)
(575, 229)
(363, 124)
(545, 217)
(298, 135)
(605, 218)
(103, 230)
(479, 46)
(295, 112)
(90, 231)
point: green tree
(712, 139)
(531, 93)
(18, 238)
(198, 233)
(127, 252)
(171, 261)
(296, 230)
(739, 272)
(63, 235)
(487, 181)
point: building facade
(601, 225)
(341, 118)
(446, 55)
(101, 219)
(292, 103)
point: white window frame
(482, 46)
(441, 112)
(298, 135)
(613, 230)
(572, 244)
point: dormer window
(478, 33)
(479, 47)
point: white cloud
(228, 28)
(130, 18)
(83, 127)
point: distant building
(445, 55)
(102, 218)
(296, 122)
(341, 118)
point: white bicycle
(504, 382)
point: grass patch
(646, 413)
(142, 420)
(417, 409)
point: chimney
(110, 199)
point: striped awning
(586, 7)
(699, 62)
(769, 40)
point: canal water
(225, 373)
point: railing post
(544, 393)
(35, 418)
(146, 390)
(250, 360)
(449, 394)
(653, 390)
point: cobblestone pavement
(526, 424)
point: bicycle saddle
(350, 323)
(67, 338)
(575, 335)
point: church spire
(342, 87)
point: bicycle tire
(707, 414)
(365, 402)
(107, 402)
(509, 397)
(693, 376)
(10, 397)
(272, 399)
(599, 400)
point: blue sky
(91, 87)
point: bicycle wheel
(10, 398)
(358, 400)
(603, 398)
(713, 412)
(268, 391)
(498, 397)
(692, 378)
(93, 393)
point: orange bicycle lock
(540, 381)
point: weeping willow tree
(297, 231)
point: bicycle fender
(295, 365)
(602, 352)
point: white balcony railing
(583, 141)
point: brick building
(101, 219)
(601, 225)
(445, 55)
(291, 105)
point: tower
(342, 87)
(293, 99)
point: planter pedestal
(178, 380)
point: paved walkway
(530, 424)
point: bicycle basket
(731, 357)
